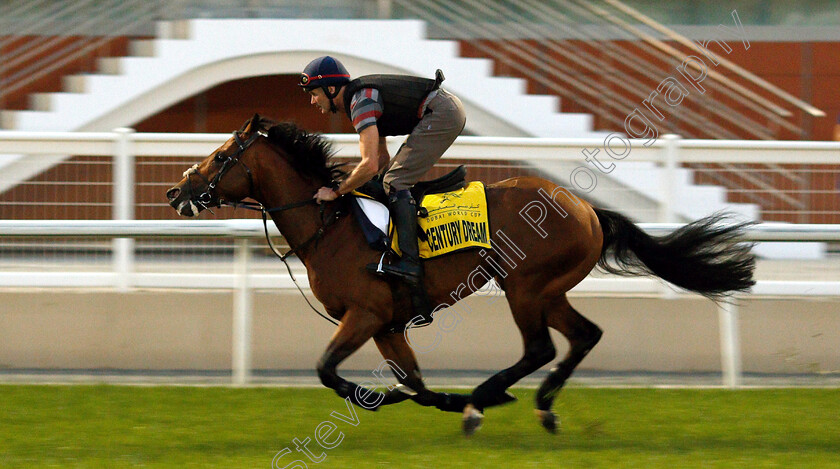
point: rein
(258, 207)
(292, 250)
(206, 198)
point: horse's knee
(539, 352)
(327, 375)
(596, 335)
(592, 337)
(582, 334)
(342, 387)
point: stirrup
(376, 268)
(406, 277)
(391, 271)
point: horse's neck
(297, 225)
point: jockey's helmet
(323, 72)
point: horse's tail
(703, 256)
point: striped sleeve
(365, 108)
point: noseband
(229, 161)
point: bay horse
(558, 240)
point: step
(75, 83)
(142, 48)
(179, 29)
(464, 67)
(40, 102)
(8, 120)
(566, 125)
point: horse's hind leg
(400, 358)
(582, 335)
(538, 350)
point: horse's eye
(220, 157)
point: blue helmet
(323, 72)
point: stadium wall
(192, 330)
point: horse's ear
(254, 124)
(246, 126)
(283, 132)
(251, 125)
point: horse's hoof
(547, 419)
(472, 420)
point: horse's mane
(311, 154)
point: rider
(382, 105)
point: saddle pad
(457, 220)
(373, 219)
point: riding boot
(409, 269)
(404, 214)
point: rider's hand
(325, 194)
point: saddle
(377, 239)
(452, 181)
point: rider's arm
(384, 156)
(369, 145)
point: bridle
(206, 198)
(227, 161)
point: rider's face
(318, 98)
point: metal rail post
(123, 205)
(669, 172)
(242, 306)
(730, 343)
(384, 9)
(668, 192)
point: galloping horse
(281, 166)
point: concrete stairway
(190, 56)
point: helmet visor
(305, 82)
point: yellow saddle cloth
(457, 220)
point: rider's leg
(409, 269)
(432, 136)
(404, 213)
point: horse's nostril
(173, 193)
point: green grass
(121, 426)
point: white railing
(124, 146)
(122, 275)
(668, 152)
(243, 282)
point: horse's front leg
(400, 357)
(355, 329)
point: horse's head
(298, 165)
(224, 176)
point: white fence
(651, 182)
(32, 153)
(243, 282)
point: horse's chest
(327, 289)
